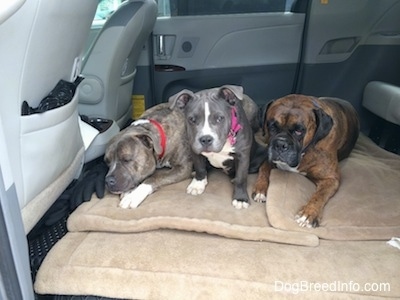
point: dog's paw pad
(196, 187)
(305, 221)
(260, 197)
(238, 204)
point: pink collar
(235, 126)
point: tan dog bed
(178, 246)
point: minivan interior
(74, 74)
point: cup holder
(100, 124)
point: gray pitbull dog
(152, 152)
(219, 131)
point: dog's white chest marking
(217, 159)
(285, 167)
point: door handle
(160, 40)
(164, 45)
(161, 45)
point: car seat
(383, 100)
(42, 48)
(109, 67)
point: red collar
(162, 136)
(235, 126)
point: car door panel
(257, 51)
(364, 45)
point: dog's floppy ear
(151, 140)
(145, 140)
(180, 99)
(262, 114)
(324, 125)
(230, 93)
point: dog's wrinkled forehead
(213, 99)
(121, 148)
(126, 146)
(226, 93)
(288, 112)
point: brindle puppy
(152, 152)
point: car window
(104, 9)
(169, 8)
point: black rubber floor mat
(41, 245)
(53, 225)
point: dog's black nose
(206, 140)
(281, 145)
(110, 181)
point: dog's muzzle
(206, 141)
(111, 183)
(285, 149)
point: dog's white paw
(135, 197)
(125, 200)
(240, 204)
(303, 221)
(259, 197)
(197, 187)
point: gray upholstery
(383, 99)
(110, 65)
(42, 43)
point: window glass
(104, 9)
(217, 7)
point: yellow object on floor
(138, 106)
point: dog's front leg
(261, 186)
(166, 176)
(311, 213)
(199, 182)
(160, 178)
(240, 196)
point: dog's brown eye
(220, 119)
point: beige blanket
(152, 252)
(366, 207)
(180, 265)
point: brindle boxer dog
(152, 152)
(309, 136)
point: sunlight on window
(168, 8)
(105, 10)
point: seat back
(110, 65)
(41, 44)
(383, 100)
